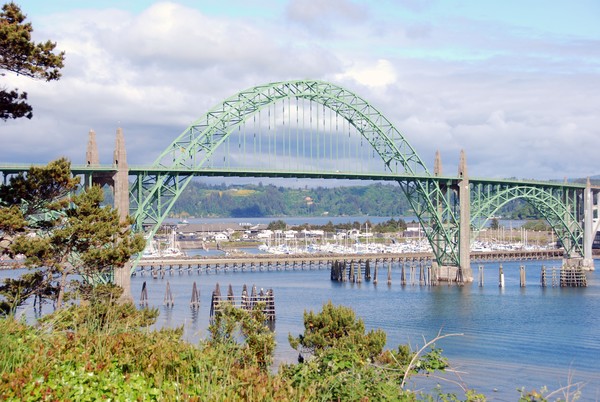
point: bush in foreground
(102, 350)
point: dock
(158, 267)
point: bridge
(316, 129)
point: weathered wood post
(144, 296)
(543, 277)
(402, 275)
(375, 273)
(168, 300)
(481, 276)
(195, 300)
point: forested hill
(221, 201)
(268, 200)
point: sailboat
(173, 249)
(150, 251)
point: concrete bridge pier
(119, 182)
(590, 225)
(465, 273)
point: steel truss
(435, 200)
(562, 206)
(153, 195)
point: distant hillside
(253, 201)
(268, 200)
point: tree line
(257, 200)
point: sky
(515, 84)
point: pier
(289, 262)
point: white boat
(172, 249)
(150, 251)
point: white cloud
(381, 74)
(520, 103)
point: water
(512, 337)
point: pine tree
(63, 231)
(20, 55)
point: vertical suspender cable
(310, 117)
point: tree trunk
(123, 280)
(61, 289)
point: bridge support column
(589, 227)
(121, 204)
(465, 273)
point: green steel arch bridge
(316, 129)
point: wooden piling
(375, 274)
(195, 300)
(367, 271)
(168, 300)
(389, 276)
(270, 305)
(500, 277)
(481, 276)
(245, 300)
(253, 297)
(429, 277)
(543, 277)
(230, 293)
(215, 301)
(144, 296)
(402, 275)
(522, 276)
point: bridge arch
(153, 195)
(549, 202)
(196, 144)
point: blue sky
(514, 83)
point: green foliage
(258, 341)
(16, 291)
(338, 327)
(199, 199)
(60, 230)
(98, 351)
(347, 363)
(537, 225)
(71, 357)
(520, 209)
(102, 312)
(20, 55)
(277, 225)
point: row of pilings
(244, 301)
(420, 271)
(356, 271)
(565, 276)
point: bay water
(506, 338)
(510, 337)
